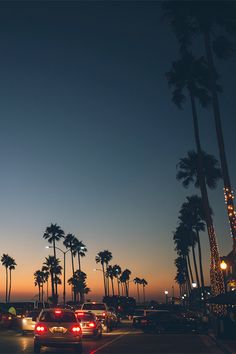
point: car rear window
(95, 307)
(86, 317)
(51, 316)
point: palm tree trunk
(104, 280)
(195, 267)
(200, 261)
(188, 286)
(9, 292)
(216, 277)
(190, 268)
(6, 284)
(42, 293)
(39, 292)
(112, 286)
(138, 292)
(72, 263)
(144, 298)
(79, 263)
(47, 290)
(118, 287)
(220, 139)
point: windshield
(51, 316)
(94, 307)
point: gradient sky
(90, 139)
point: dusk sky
(90, 139)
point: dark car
(164, 321)
(90, 324)
(6, 320)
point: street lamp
(223, 266)
(194, 285)
(64, 271)
(166, 294)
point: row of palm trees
(197, 79)
(51, 269)
(9, 263)
(111, 272)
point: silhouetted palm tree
(116, 274)
(212, 20)
(137, 281)
(124, 278)
(12, 266)
(181, 276)
(45, 277)
(104, 257)
(144, 283)
(6, 261)
(79, 286)
(70, 244)
(38, 280)
(54, 269)
(80, 249)
(111, 273)
(188, 173)
(192, 213)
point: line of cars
(159, 321)
(66, 327)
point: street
(124, 340)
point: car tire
(37, 348)
(79, 348)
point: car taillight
(40, 329)
(76, 329)
(91, 324)
(104, 314)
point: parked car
(57, 328)
(6, 320)
(164, 321)
(139, 313)
(28, 321)
(101, 311)
(90, 324)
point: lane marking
(107, 344)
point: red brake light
(76, 329)
(40, 328)
(104, 314)
(91, 324)
(80, 313)
(57, 312)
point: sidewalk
(226, 345)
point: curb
(224, 347)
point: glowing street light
(166, 294)
(194, 285)
(223, 266)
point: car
(164, 321)
(90, 324)
(139, 313)
(6, 319)
(28, 321)
(100, 309)
(57, 328)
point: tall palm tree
(69, 243)
(192, 213)
(144, 283)
(214, 21)
(6, 261)
(104, 257)
(124, 278)
(53, 234)
(182, 244)
(111, 273)
(80, 249)
(195, 81)
(116, 274)
(54, 270)
(79, 286)
(188, 173)
(181, 276)
(38, 282)
(12, 266)
(137, 281)
(45, 277)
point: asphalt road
(121, 341)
